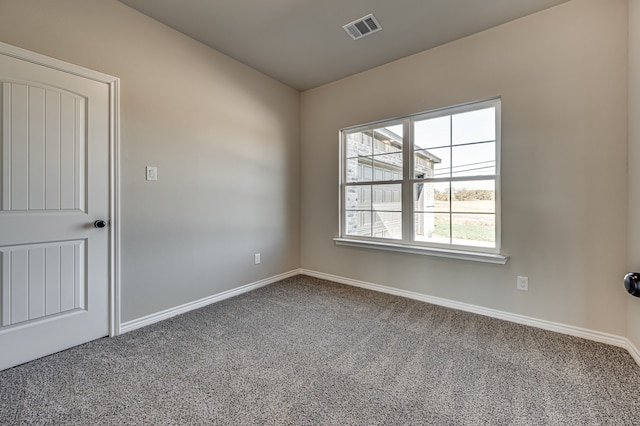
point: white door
(54, 184)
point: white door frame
(114, 164)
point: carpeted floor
(309, 352)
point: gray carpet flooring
(309, 352)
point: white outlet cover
(522, 283)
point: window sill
(494, 258)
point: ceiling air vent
(362, 27)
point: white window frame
(407, 243)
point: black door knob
(99, 224)
(632, 283)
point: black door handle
(99, 224)
(632, 283)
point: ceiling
(302, 44)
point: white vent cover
(364, 26)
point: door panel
(43, 149)
(41, 280)
(54, 183)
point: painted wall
(633, 314)
(562, 77)
(224, 137)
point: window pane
(386, 165)
(387, 139)
(474, 160)
(474, 126)
(474, 229)
(474, 197)
(387, 197)
(357, 197)
(359, 169)
(358, 223)
(425, 162)
(432, 163)
(359, 144)
(382, 146)
(352, 169)
(431, 196)
(432, 133)
(387, 225)
(431, 227)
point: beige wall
(633, 320)
(562, 77)
(224, 137)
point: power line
(463, 171)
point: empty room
(329, 212)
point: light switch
(152, 173)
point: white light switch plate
(152, 173)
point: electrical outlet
(522, 283)
(256, 258)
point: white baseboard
(570, 330)
(633, 351)
(172, 312)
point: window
(427, 182)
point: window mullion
(342, 181)
(450, 179)
(407, 186)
